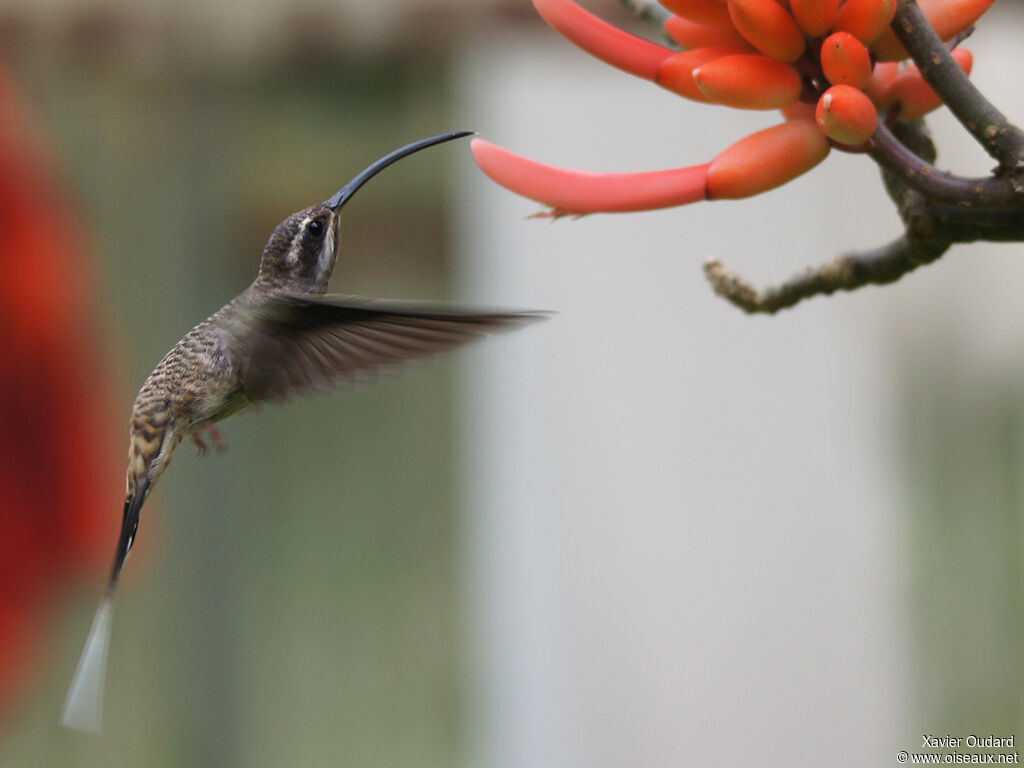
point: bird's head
(301, 253)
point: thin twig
(1005, 191)
(845, 273)
(990, 127)
(960, 226)
(930, 229)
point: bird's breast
(215, 406)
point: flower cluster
(831, 66)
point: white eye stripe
(326, 253)
(295, 247)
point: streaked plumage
(280, 337)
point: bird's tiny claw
(215, 437)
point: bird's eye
(315, 227)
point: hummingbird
(282, 336)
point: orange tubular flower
(814, 17)
(882, 77)
(799, 111)
(768, 27)
(766, 159)
(950, 17)
(749, 81)
(580, 192)
(846, 115)
(915, 97)
(845, 60)
(676, 73)
(609, 43)
(947, 17)
(710, 13)
(690, 34)
(748, 54)
(865, 19)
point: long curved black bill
(349, 189)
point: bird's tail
(83, 707)
(129, 525)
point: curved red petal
(599, 38)
(571, 191)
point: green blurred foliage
(962, 435)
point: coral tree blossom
(830, 66)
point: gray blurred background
(651, 532)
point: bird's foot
(219, 443)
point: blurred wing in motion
(291, 345)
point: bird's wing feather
(289, 345)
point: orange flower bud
(766, 159)
(749, 81)
(947, 17)
(846, 115)
(865, 19)
(882, 77)
(571, 191)
(915, 97)
(676, 73)
(888, 47)
(710, 13)
(599, 38)
(951, 17)
(799, 111)
(768, 27)
(691, 35)
(845, 60)
(814, 17)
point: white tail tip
(83, 707)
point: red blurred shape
(58, 457)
